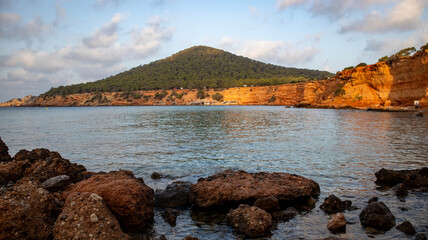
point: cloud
(11, 27)
(106, 35)
(283, 4)
(253, 9)
(404, 16)
(105, 3)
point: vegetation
(348, 68)
(201, 94)
(361, 64)
(217, 96)
(340, 91)
(193, 68)
(402, 53)
(272, 99)
(161, 95)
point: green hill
(195, 67)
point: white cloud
(252, 9)
(106, 35)
(283, 4)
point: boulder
(176, 194)
(411, 178)
(27, 212)
(251, 221)
(269, 204)
(156, 175)
(190, 238)
(12, 171)
(170, 216)
(4, 152)
(241, 187)
(337, 223)
(85, 216)
(130, 200)
(420, 236)
(400, 190)
(407, 228)
(285, 215)
(57, 183)
(373, 199)
(377, 215)
(333, 204)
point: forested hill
(196, 67)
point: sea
(339, 149)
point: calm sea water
(340, 149)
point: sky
(48, 43)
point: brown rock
(130, 200)
(190, 238)
(85, 216)
(377, 215)
(170, 216)
(333, 204)
(407, 228)
(12, 171)
(176, 194)
(420, 236)
(268, 204)
(285, 215)
(411, 178)
(237, 187)
(251, 221)
(337, 223)
(27, 212)
(4, 152)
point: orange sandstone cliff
(380, 85)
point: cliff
(380, 85)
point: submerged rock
(156, 175)
(407, 228)
(285, 215)
(411, 178)
(176, 194)
(130, 200)
(4, 152)
(269, 204)
(337, 223)
(170, 216)
(251, 221)
(420, 236)
(377, 215)
(333, 204)
(240, 187)
(27, 212)
(56, 183)
(400, 190)
(85, 216)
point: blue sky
(48, 43)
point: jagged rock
(411, 178)
(406, 227)
(333, 204)
(4, 152)
(170, 216)
(57, 183)
(12, 171)
(85, 216)
(251, 221)
(239, 187)
(129, 199)
(176, 194)
(285, 215)
(420, 236)
(400, 190)
(27, 212)
(337, 223)
(377, 215)
(156, 175)
(269, 204)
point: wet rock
(411, 178)
(407, 228)
(269, 204)
(333, 238)
(4, 152)
(239, 187)
(420, 236)
(27, 212)
(400, 190)
(156, 175)
(176, 194)
(333, 204)
(419, 114)
(85, 216)
(373, 199)
(129, 199)
(170, 216)
(337, 223)
(56, 183)
(190, 238)
(251, 221)
(377, 215)
(285, 215)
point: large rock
(251, 221)
(269, 204)
(4, 152)
(411, 178)
(56, 183)
(337, 223)
(12, 171)
(130, 200)
(333, 204)
(240, 187)
(407, 228)
(27, 212)
(377, 215)
(85, 216)
(176, 194)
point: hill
(192, 68)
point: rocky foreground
(44, 196)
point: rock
(420, 236)
(269, 204)
(129, 199)
(12, 171)
(333, 204)
(156, 175)
(239, 187)
(57, 183)
(377, 215)
(190, 238)
(411, 178)
(373, 199)
(170, 216)
(406, 227)
(85, 216)
(4, 152)
(176, 194)
(400, 190)
(285, 215)
(337, 223)
(419, 114)
(251, 221)
(27, 212)
(333, 238)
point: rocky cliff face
(376, 86)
